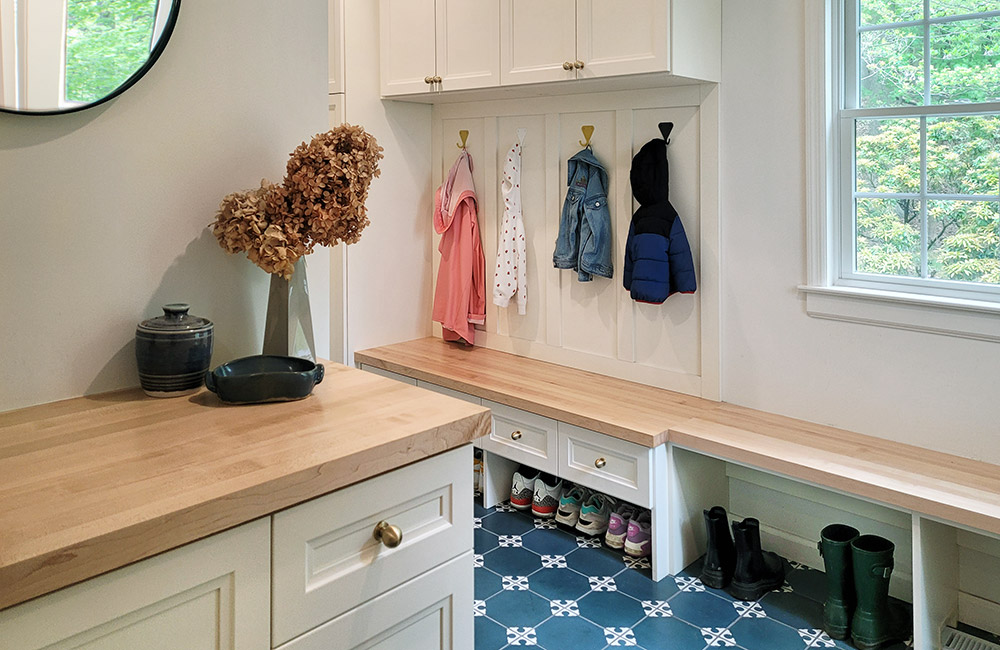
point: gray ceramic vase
(173, 352)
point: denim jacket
(584, 241)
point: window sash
(847, 114)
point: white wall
(924, 389)
(389, 270)
(105, 212)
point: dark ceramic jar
(173, 351)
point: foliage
(962, 153)
(106, 42)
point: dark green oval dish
(264, 378)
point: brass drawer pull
(600, 463)
(516, 435)
(428, 80)
(578, 64)
(388, 534)
(437, 79)
(567, 65)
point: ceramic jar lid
(176, 320)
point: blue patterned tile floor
(541, 586)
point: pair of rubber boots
(857, 594)
(737, 564)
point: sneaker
(546, 498)
(594, 514)
(618, 525)
(639, 540)
(522, 489)
(569, 505)
(477, 472)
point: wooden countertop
(94, 483)
(622, 409)
(948, 487)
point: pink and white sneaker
(639, 539)
(618, 525)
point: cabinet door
(406, 32)
(209, 595)
(468, 43)
(616, 38)
(536, 39)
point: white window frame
(833, 290)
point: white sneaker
(569, 505)
(595, 514)
(546, 499)
(522, 490)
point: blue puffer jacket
(658, 259)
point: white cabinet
(430, 45)
(209, 595)
(617, 38)
(537, 41)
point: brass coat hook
(588, 132)
(464, 134)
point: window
(920, 143)
(909, 153)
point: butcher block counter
(94, 483)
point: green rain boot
(835, 547)
(874, 624)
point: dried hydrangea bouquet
(321, 201)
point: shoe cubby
(956, 580)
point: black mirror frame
(168, 29)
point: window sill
(971, 319)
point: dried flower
(321, 201)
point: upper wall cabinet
(434, 45)
(481, 44)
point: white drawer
(525, 437)
(326, 561)
(390, 375)
(615, 467)
(432, 612)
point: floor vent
(955, 640)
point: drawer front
(525, 437)
(326, 560)
(390, 375)
(615, 467)
(457, 395)
(431, 612)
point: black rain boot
(875, 622)
(757, 572)
(835, 547)
(720, 558)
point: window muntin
(920, 142)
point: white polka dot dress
(511, 278)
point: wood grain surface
(622, 409)
(916, 479)
(91, 484)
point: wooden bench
(691, 442)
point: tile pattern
(539, 586)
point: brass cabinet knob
(600, 463)
(567, 65)
(428, 80)
(578, 64)
(388, 534)
(516, 435)
(437, 79)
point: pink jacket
(460, 295)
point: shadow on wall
(227, 289)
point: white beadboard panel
(669, 335)
(530, 326)
(792, 514)
(589, 325)
(589, 309)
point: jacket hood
(586, 157)
(650, 173)
(456, 189)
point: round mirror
(60, 56)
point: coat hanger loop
(588, 132)
(464, 134)
(665, 129)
